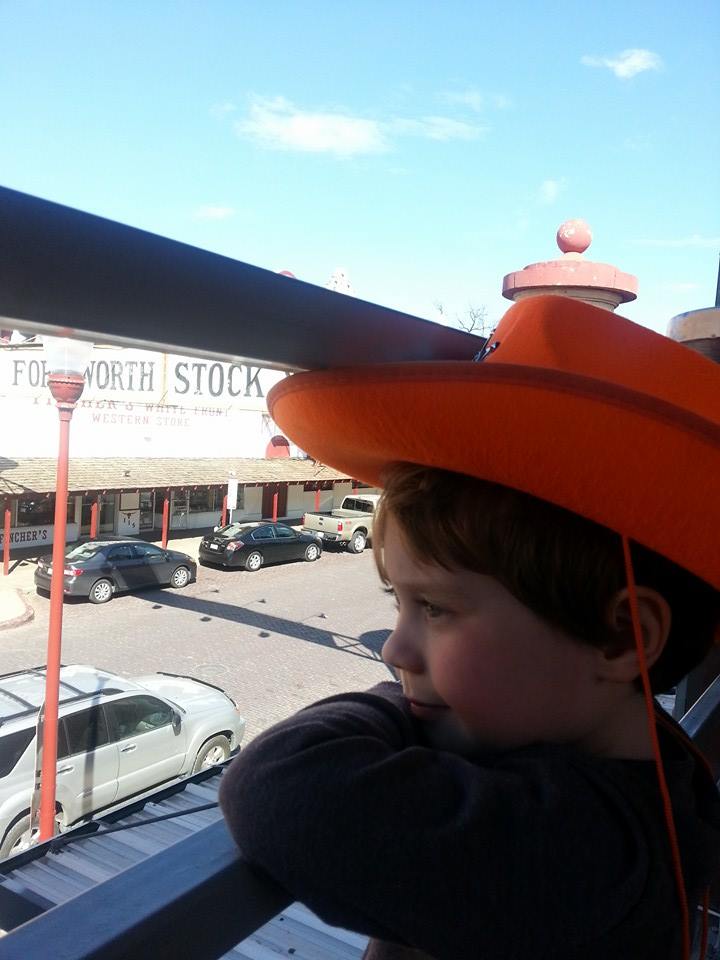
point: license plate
(214, 546)
(320, 534)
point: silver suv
(116, 738)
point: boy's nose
(401, 651)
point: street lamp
(66, 362)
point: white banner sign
(232, 494)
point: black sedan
(98, 569)
(251, 545)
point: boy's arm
(344, 807)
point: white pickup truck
(351, 523)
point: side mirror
(176, 722)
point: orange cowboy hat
(567, 402)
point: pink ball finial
(574, 236)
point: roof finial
(574, 236)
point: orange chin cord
(662, 782)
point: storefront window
(107, 513)
(202, 501)
(39, 512)
(178, 509)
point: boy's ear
(619, 660)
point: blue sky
(427, 148)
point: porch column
(275, 506)
(317, 499)
(223, 521)
(6, 541)
(94, 511)
(166, 519)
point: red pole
(224, 512)
(52, 675)
(275, 503)
(6, 542)
(317, 499)
(94, 519)
(166, 521)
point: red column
(317, 500)
(94, 519)
(275, 505)
(52, 675)
(166, 521)
(6, 542)
(224, 512)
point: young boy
(549, 530)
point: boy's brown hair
(560, 565)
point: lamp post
(66, 361)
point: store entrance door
(147, 509)
(269, 490)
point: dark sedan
(98, 569)
(252, 545)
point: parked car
(252, 545)
(117, 738)
(350, 524)
(98, 569)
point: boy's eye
(391, 592)
(431, 611)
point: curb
(24, 617)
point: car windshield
(83, 551)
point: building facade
(151, 432)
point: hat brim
(635, 464)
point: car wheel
(253, 561)
(180, 577)
(101, 592)
(16, 839)
(312, 552)
(211, 753)
(357, 543)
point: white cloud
(474, 100)
(277, 124)
(210, 212)
(222, 109)
(471, 98)
(550, 190)
(695, 240)
(626, 64)
(500, 101)
(437, 128)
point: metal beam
(63, 270)
(196, 899)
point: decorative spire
(570, 275)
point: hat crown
(567, 336)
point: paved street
(275, 640)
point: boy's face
(481, 670)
